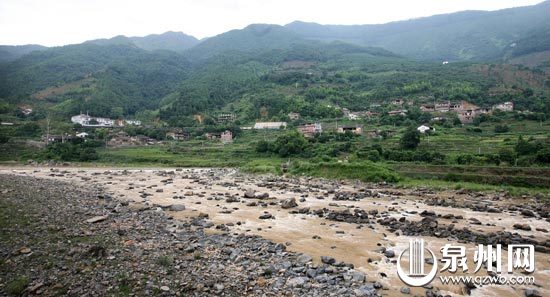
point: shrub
(365, 171)
(410, 140)
(543, 156)
(502, 128)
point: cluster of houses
(182, 135)
(466, 111)
(88, 121)
(122, 138)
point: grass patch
(435, 184)
(17, 286)
(365, 171)
(263, 166)
(165, 261)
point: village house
(427, 108)
(309, 130)
(398, 102)
(25, 110)
(373, 133)
(397, 112)
(226, 136)
(375, 105)
(57, 138)
(269, 125)
(226, 118)
(133, 122)
(443, 107)
(353, 116)
(88, 121)
(506, 106)
(294, 116)
(82, 135)
(178, 135)
(355, 129)
(370, 114)
(425, 128)
(345, 112)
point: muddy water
(307, 233)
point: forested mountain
(107, 79)
(468, 35)
(265, 71)
(252, 38)
(172, 41)
(12, 52)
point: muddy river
(207, 191)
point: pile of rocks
(63, 240)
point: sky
(60, 22)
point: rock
(262, 196)
(177, 207)
(165, 288)
(289, 203)
(389, 253)
(311, 273)
(358, 277)
(188, 193)
(24, 250)
(266, 216)
(365, 291)
(405, 290)
(303, 259)
(219, 287)
(297, 282)
(427, 213)
(97, 219)
(232, 199)
(328, 260)
(524, 227)
(532, 293)
(249, 194)
(527, 213)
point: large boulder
(289, 203)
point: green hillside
(9, 53)
(119, 79)
(469, 35)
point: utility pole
(48, 130)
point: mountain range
(461, 36)
(254, 67)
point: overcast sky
(60, 22)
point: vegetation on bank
(472, 157)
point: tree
(411, 139)
(501, 128)
(543, 156)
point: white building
(88, 121)
(82, 135)
(423, 129)
(506, 106)
(270, 125)
(133, 122)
